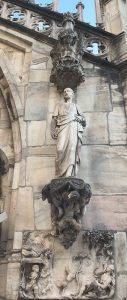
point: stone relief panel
(85, 271)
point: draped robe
(68, 132)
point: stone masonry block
(39, 170)
(96, 131)
(36, 102)
(36, 133)
(24, 210)
(104, 168)
(106, 212)
(121, 251)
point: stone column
(55, 5)
(80, 8)
(98, 12)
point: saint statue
(67, 127)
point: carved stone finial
(66, 57)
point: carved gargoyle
(68, 198)
(67, 57)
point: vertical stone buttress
(112, 13)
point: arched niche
(10, 92)
(10, 140)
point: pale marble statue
(67, 127)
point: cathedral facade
(63, 152)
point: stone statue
(67, 127)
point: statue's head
(68, 94)
(35, 268)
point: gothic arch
(11, 95)
(11, 98)
(12, 84)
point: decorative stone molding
(67, 68)
(68, 198)
(86, 272)
(24, 17)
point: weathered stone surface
(122, 287)
(39, 170)
(39, 60)
(66, 57)
(13, 278)
(104, 168)
(41, 48)
(24, 210)
(121, 251)
(22, 124)
(16, 174)
(3, 274)
(7, 195)
(94, 95)
(68, 197)
(96, 131)
(17, 243)
(17, 140)
(39, 75)
(4, 114)
(2, 101)
(37, 102)
(117, 126)
(5, 137)
(39, 151)
(12, 214)
(22, 175)
(54, 97)
(36, 133)
(42, 212)
(117, 97)
(71, 269)
(49, 139)
(3, 216)
(106, 212)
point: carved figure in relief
(67, 127)
(30, 288)
(102, 286)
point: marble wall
(26, 140)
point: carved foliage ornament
(68, 198)
(66, 57)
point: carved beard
(67, 106)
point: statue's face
(68, 94)
(35, 268)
